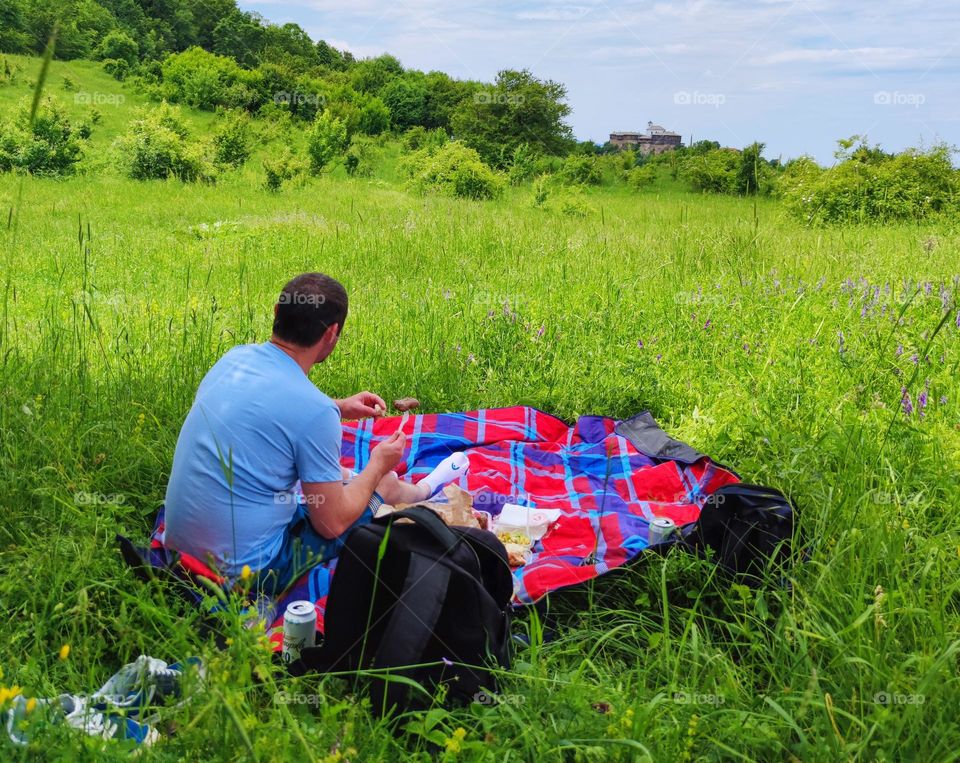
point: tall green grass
(721, 316)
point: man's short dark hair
(307, 306)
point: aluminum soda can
(299, 629)
(661, 529)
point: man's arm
(333, 506)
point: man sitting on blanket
(257, 426)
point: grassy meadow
(778, 349)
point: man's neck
(299, 354)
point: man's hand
(361, 406)
(388, 453)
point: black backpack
(420, 594)
(749, 529)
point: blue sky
(796, 75)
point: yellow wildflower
(246, 572)
(31, 705)
(64, 651)
(453, 741)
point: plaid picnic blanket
(607, 490)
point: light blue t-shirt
(257, 425)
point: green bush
(359, 157)
(714, 171)
(205, 80)
(118, 46)
(158, 146)
(326, 140)
(116, 68)
(52, 145)
(578, 169)
(868, 185)
(9, 72)
(453, 170)
(281, 168)
(641, 177)
(523, 164)
(231, 140)
(374, 117)
(420, 137)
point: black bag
(405, 594)
(749, 529)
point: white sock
(446, 471)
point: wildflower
(447, 294)
(31, 705)
(639, 344)
(914, 358)
(8, 693)
(922, 398)
(841, 342)
(541, 331)
(453, 742)
(905, 402)
(64, 652)
(899, 350)
(245, 573)
(707, 324)
(943, 400)
(659, 355)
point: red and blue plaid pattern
(607, 491)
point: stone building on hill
(655, 140)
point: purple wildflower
(639, 344)
(922, 398)
(541, 331)
(914, 358)
(958, 319)
(899, 350)
(659, 355)
(746, 347)
(905, 402)
(943, 400)
(842, 342)
(707, 324)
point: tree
(406, 98)
(118, 46)
(752, 170)
(372, 74)
(519, 108)
(326, 140)
(374, 117)
(241, 36)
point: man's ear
(332, 332)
